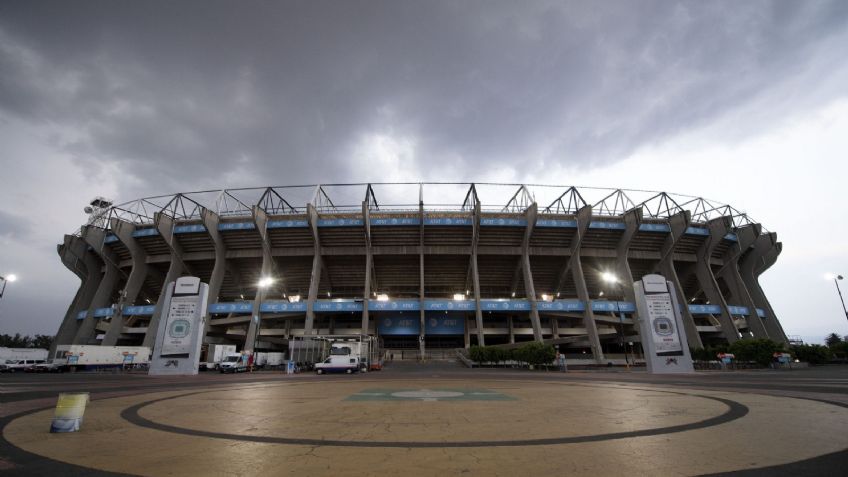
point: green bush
(840, 350)
(813, 354)
(531, 353)
(760, 351)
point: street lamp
(836, 278)
(7, 279)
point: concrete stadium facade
(429, 266)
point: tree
(813, 354)
(832, 339)
(759, 350)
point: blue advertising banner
(282, 307)
(761, 313)
(559, 223)
(597, 224)
(614, 306)
(286, 224)
(502, 222)
(188, 229)
(697, 231)
(731, 237)
(110, 238)
(449, 221)
(704, 309)
(560, 305)
(236, 226)
(450, 324)
(339, 222)
(654, 228)
(396, 221)
(737, 310)
(222, 308)
(395, 305)
(398, 325)
(504, 305)
(336, 306)
(139, 310)
(81, 315)
(449, 305)
(102, 312)
(145, 232)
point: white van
(338, 364)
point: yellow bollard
(69, 411)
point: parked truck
(269, 359)
(94, 356)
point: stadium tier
(423, 266)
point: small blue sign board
(697, 231)
(557, 223)
(148, 232)
(81, 315)
(654, 228)
(282, 307)
(340, 222)
(287, 224)
(504, 305)
(598, 224)
(224, 308)
(503, 222)
(449, 305)
(448, 221)
(704, 309)
(236, 226)
(395, 221)
(189, 229)
(103, 312)
(561, 305)
(110, 238)
(737, 310)
(395, 305)
(139, 310)
(336, 306)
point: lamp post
(7, 279)
(836, 278)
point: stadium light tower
(7, 279)
(836, 278)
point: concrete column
(75, 256)
(219, 270)
(632, 220)
(730, 273)
(584, 217)
(529, 286)
(678, 223)
(260, 220)
(719, 227)
(123, 230)
(763, 254)
(511, 330)
(475, 276)
(94, 236)
(422, 348)
(165, 227)
(315, 280)
(366, 291)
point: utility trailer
(77, 357)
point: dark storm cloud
(269, 90)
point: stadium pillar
(366, 289)
(511, 330)
(745, 237)
(315, 279)
(210, 221)
(165, 227)
(678, 223)
(764, 253)
(260, 220)
(422, 348)
(475, 277)
(584, 217)
(94, 237)
(632, 220)
(123, 230)
(529, 286)
(75, 256)
(718, 228)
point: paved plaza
(433, 420)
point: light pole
(836, 278)
(7, 279)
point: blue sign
(102, 312)
(561, 305)
(398, 325)
(81, 315)
(139, 310)
(110, 238)
(607, 225)
(761, 313)
(697, 231)
(448, 221)
(737, 310)
(504, 305)
(384, 221)
(558, 223)
(145, 232)
(336, 306)
(731, 237)
(450, 305)
(704, 309)
(395, 305)
(339, 222)
(444, 324)
(189, 229)
(224, 308)
(285, 224)
(614, 306)
(503, 222)
(236, 226)
(282, 307)
(654, 228)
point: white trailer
(14, 354)
(264, 359)
(216, 353)
(83, 356)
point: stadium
(425, 267)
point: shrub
(760, 351)
(813, 354)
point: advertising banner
(399, 325)
(444, 325)
(182, 316)
(663, 329)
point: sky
(742, 102)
